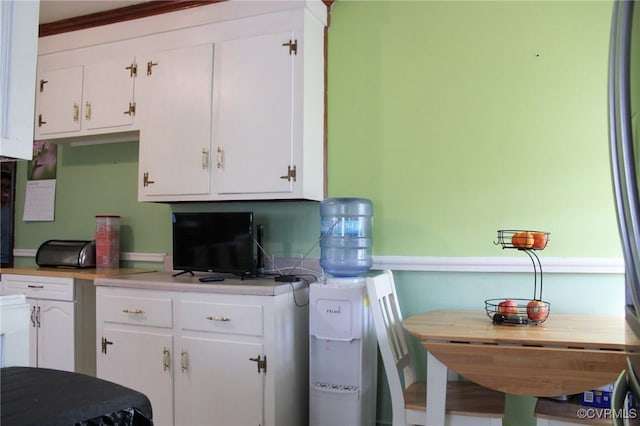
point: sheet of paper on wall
(40, 200)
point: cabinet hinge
(104, 344)
(291, 174)
(262, 363)
(145, 179)
(42, 83)
(133, 70)
(150, 66)
(132, 109)
(293, 46)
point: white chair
(467, 404)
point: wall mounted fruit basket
(517, 311)
(522, 311)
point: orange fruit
(522, 239)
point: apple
(508, 307)
(522, 239)
(537, 310)
(539, 240)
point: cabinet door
(216, 382)
(254, 124)
(19, 47)
(140, 360)
(58, 101)
(175, 137)
(107, 93)
(55, 325)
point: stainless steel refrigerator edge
(624, 103)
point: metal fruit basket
(519, 312)
(521, 240)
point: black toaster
(67, 253)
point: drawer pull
(223, 319)
(35, 286)
(133, 311)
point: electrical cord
(293, 292)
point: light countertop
(81, 274)
(165, 281)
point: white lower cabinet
(50, 332)
(217, 377)
(139, 360)
(207, 358)
(62, 320)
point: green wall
(101, 179)
(456, 118)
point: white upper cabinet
(18, 56)
(108, 94)
(228, 98)
(85, 99)
(254, 122)
(175, 144)
(59, 99)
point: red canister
(107, 241)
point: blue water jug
(345, 241)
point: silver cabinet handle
(219, 158)
(222, 319)
(87, 111)
(35, 286)
(133, 311)
(205, 159)
(33, 316)
(184, 361)
(166, 358)
(38, 317)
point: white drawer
(37, 287)
(137, 310)
(221, 317)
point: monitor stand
(183, 272)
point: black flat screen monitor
(213, 242)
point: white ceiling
(55, 10)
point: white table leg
(436, 391)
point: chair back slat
(392, 339)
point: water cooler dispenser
(342, 342)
